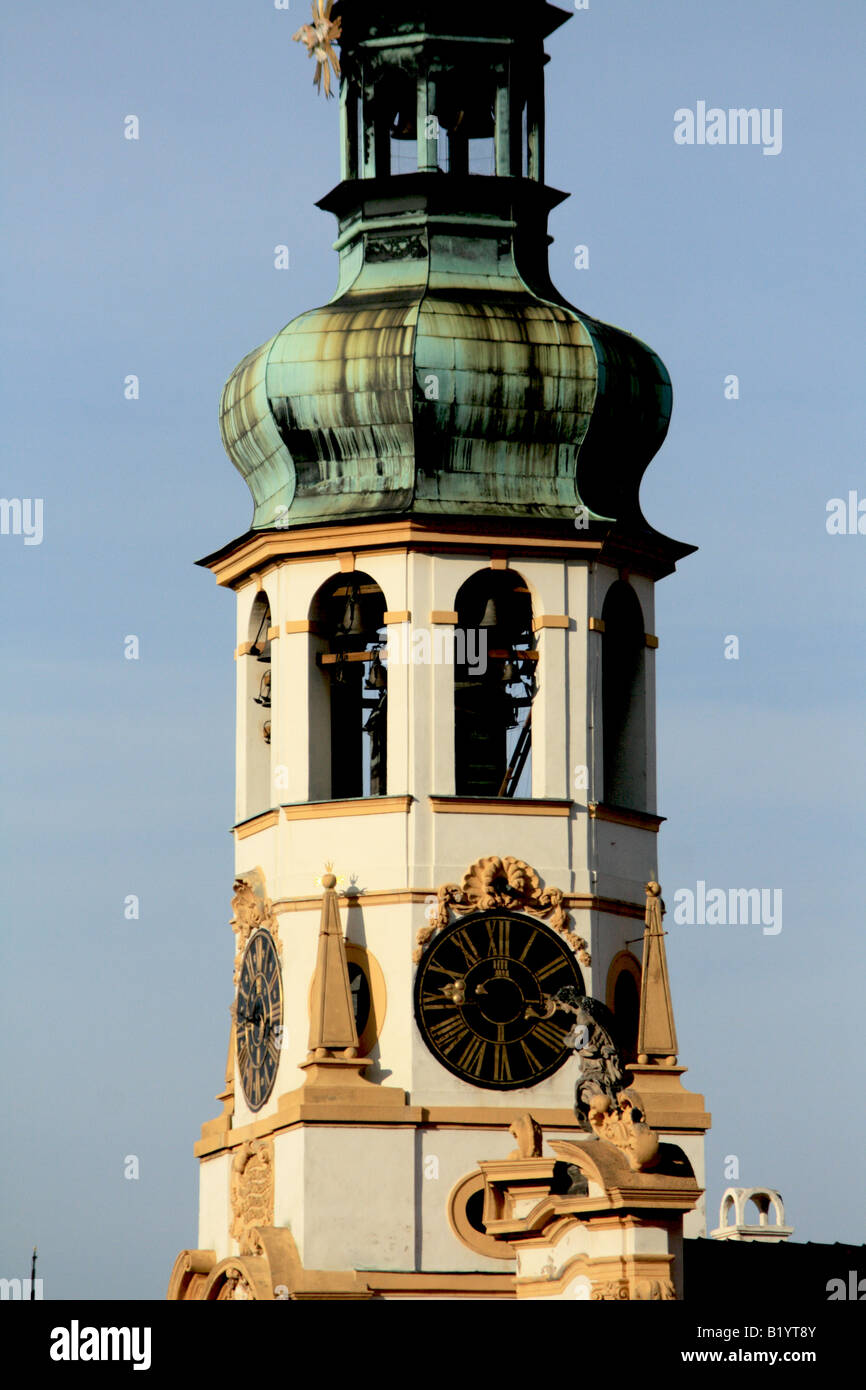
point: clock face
(259, 1018)
(478, 993)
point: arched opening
(757, 1209)
(460, 120)
(622, 995)
(626, 1011)
(257, 700)
(348, 616)
(494, 686)
(397, 111)
(465, 112)
(623, 694)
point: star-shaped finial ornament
(329, 873)
(319, 37)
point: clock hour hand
(549, 1008)
(456, 992)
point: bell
(263, 652)
(403, 127)
(490, 618)
(376, 678)
(264, 696)
(350, 625)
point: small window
(369, 996)
(623, 999)
(626, 1012)
(360, 989)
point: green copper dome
(446, 373)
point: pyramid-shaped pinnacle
(657, 1034)
(332, 1024)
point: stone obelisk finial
(332, 1059)
(657, 1034)
(332, 1021)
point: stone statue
(601, 1070)
(527, 1132)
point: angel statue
(601, 1070)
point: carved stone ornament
(411, 247)
(528, 1133)
(624, 1126)
(252, 1192)
(252, 909)
(601, 1071)
(642, 1290)
(505, 883)
(609, 1290)
(235, 1287)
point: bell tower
(446, 807)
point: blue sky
(155, 257)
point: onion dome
(446, 373)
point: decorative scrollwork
(507, 883)
(634, 1290)
(252, 909)
(411, 247)
(610, 1290)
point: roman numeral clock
(445, 664)
(259, 1019)
(481, 992)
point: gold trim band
(622, 815)
(363, 806)
(381, 897)
(498, 806)
(266, 821)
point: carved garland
(252, 1193)
(507, 883)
